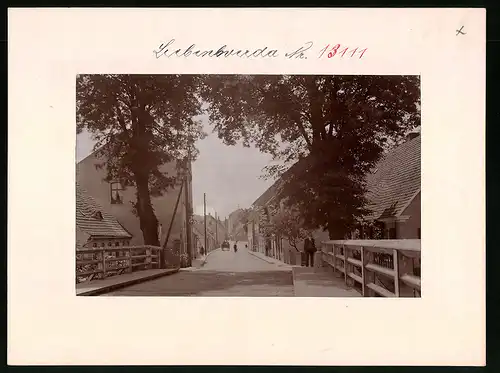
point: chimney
(412, 135)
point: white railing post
(158, 257)
(334, 250)
(148, 257)
(369, 276)
(345, 263)
(396, 271)
(103, 263)
(363, 272)
(130, 267)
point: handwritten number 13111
(337, 50)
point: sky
(229, 175)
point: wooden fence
(386, 268)
(99, 263)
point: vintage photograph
(248, 185)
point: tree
(244, 218)
(284, 223)
(139, 123)
(332, 129)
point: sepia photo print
(248, 185)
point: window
(392, 233)
(117, 243)
(116, 191)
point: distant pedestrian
(309, 250)
(202, 250)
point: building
(199, 238)
(254, 235)
(96, 227)
(233, 220)
(393, 192)
(236, 227)
(173, 209)
(216, 232)
(217, 228)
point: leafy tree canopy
(333, 129)
(139, 123)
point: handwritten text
(340, 51)
(171, 50)
(167, 50)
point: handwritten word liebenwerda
(329, 51)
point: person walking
(309, 250)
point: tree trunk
(334, 234)
(336, 230)
(147, 217)
(140, 141)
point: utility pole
(188, 221)
(205, 219)
(189, 206)
(216, 228)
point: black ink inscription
(165, 50)
(299, 53)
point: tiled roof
(395, 180)
(92, 219)
(392, 185)
(271, 192)
(267, 195)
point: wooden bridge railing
(387, 268)
(102, 262)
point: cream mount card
(49, 325)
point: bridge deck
(319, 282)
(115, 282)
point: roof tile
(395, 180)
(90, 223)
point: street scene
(248, 185)
(224, 274)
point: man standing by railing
(309, 250)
